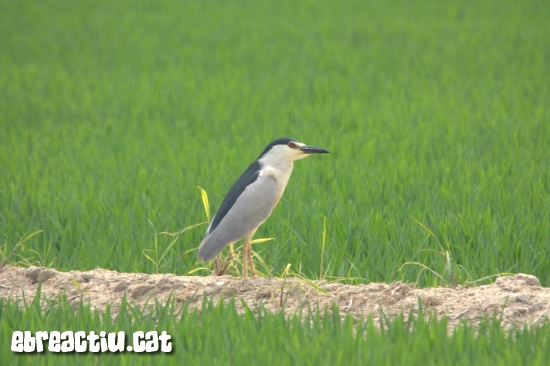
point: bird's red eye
(292, 145)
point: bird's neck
(281, 173)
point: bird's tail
(210, 248)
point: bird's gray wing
(247, 178)
(251, 208)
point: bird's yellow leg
(246, 248)
(249, 252)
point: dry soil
(517, 299)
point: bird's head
(290, 150)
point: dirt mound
(519, 299)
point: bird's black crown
(280, 141)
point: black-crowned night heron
(252, 199)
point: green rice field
(436, 114)
(217, 335)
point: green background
(112, 112)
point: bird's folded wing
(251, 208)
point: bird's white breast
(280, 171)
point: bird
(251, 200)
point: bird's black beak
(313, 150)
